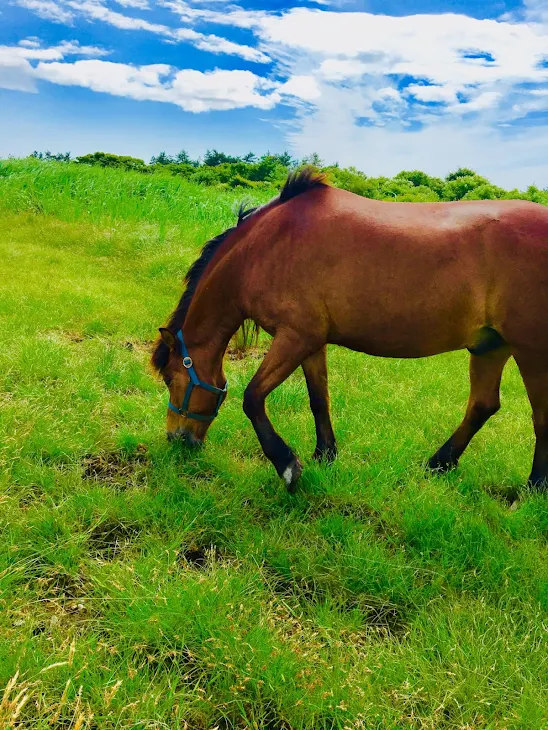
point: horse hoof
(326, 456)
(538, 484)
(291, 475)
(440, 466)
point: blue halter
(195, 382)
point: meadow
(143, 587)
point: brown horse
(320, 265)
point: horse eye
(168, 380)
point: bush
(459, 187)
(105, 159)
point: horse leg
(534, 372)
(315, 372)
(286, 353)
(484, 401)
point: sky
(383, 85)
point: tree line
(270, 170)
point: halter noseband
(195, 382)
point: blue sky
(382, 85)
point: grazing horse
(320, 265)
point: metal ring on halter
(187, 362)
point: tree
(212, 158)
(460, 186)
(285, 159)
(250, 158)
(313, 159)
(162, 159)
(183, 158)
(461, 172)
(105, 159)
(47, 155)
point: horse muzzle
(184, 437)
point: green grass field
(142, 588)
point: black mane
(296, 183)
(300, 181)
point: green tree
(460, 186)
(212, 158)
(461, 172)
(162, 159)
(105, 159)
(183, 158)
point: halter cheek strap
(195, 382)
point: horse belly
(409, 315)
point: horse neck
(212, 319)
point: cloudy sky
(383, 85)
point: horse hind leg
(484, 401)
(315, 372)
(534, 371)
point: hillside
(141, 587)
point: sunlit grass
(142, 588)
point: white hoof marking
(288, 475)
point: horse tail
(245, 338)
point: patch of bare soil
(123, 470)
(108, 538)
(201, 557)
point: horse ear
(167, 337)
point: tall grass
(141, 587)
(74, 192)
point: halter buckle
(187, 362)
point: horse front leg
(286, 353)
(315, 372)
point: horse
(318, 265)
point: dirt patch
(254, 352)
(388, 618)
(123, 470)
(107, 539)
(140, 346)
(507, 495)
(56, 584)
(200, 557)
(295, 587)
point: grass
(140, 588)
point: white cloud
(486, 100)
(433, 93)
(232, 15)
(458, 61)
(301, 87)
(536, 10)
(97, 10)
(508, 160)
(49, 10)
(363, 77)
(16, 71)
(338, 69)
(30, 43)
(31, 50)
(192, 90)
(139, 4)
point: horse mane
(300, 181)
(296, 183)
